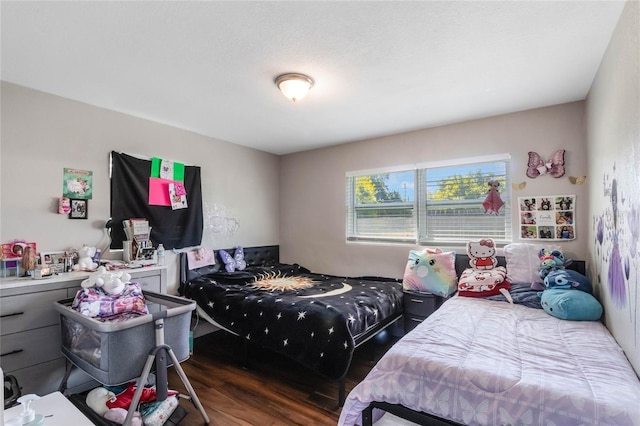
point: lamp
(294, 86)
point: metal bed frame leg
(160, 351)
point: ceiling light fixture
(294, 86)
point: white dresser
(30, 327)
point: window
(433, 203)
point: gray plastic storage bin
(115, 352)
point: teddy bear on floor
(85, 259)
(111, 282)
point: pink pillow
(432, 271)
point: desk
(57, 409)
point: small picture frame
(79, 209)
(52, 258)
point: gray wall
(613, 112)
(312, 183)
(42, 134)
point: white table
(57, 409)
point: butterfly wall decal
(518, 186)
(537, 166)
(577, 180)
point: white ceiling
(379, 67)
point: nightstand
(417, 307)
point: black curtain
(130, 199)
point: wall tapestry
(547, 217)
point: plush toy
(431, 270)
(551, 261)
(570, 304)
(567, 279)
(493, 202)
(97, 400)
(64, 205)
(482, 254)
(85, 259)
(111, 282)
(119, 415)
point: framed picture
(547, 217)
(53, 258)
(79, 209)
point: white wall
(42, 134)
(613, 111)
(312, 183)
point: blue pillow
(568, 304)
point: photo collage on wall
(550, 217)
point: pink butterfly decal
(537, 166)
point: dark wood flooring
(268, 390)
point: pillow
(200, 257)
(483, 283)
(482, 254)
(431, 270)
(574, 305)
(236, 262)
(523, 263)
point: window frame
(420, 202)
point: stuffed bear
(482, 254)
(85, 259)
(111, 282)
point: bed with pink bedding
(482, 362)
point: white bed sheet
(481, 362)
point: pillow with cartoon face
(482, 254)
(432, 271)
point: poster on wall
(77, 184)
(547, 217)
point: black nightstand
(417, 307)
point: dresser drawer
(422, 304)
(148, 282)
(45, 378)
(20, 350)
(29, 311)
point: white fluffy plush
(85, 259)
(97, 400)
(112, 282)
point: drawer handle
(417, 300)
(11, 315)
(16, 351)
(417, 319)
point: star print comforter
(311, 318)
(481, 362)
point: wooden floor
(270, 390)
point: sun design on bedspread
(275, 281)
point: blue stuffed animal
(567, 295)
(551, 260)
(568, 279)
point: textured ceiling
(379, 67)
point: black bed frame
(422, 418)
(265, 255)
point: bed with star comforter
(315, 319)
(482, 362)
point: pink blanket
(94, 302)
